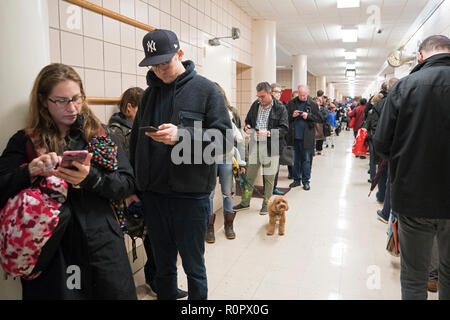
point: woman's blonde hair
(45, 132)
(377, 98)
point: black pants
(178, 225)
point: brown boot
(228, 224)
(210, 238)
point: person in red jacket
(358, 113)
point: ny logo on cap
(151, 46)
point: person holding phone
(175, 196)
(60, 120)
(303, 112)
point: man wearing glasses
(265, 116)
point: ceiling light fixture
(348, 4)
(349, 34)
(350, 55)
(350, 73)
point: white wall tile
(128, 58)
(140, 34)
(175, 26)
(141, 11)
(113, 5)
(153, 17)
(53, 13)
(165, 21)
(93, 53)
(201, 6)
(184, 16)
(55, 46)
(71, 49)
(70, 17)
(141, 82)
(208, 7)
(93, 24)
(193, 36)
(112, 57)
(127, 8)
(99, 111)
(127, 35)
(128, 81)
(140, 71)
(175, 8)
(111, 32)
(113, 84)
(184, 35)
(94, 82)
(164, 5)
(192, 16)
(154, 3)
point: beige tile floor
(334, 247)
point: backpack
(32, 224)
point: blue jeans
(382, 185)
(416, 237)
(302, 162)
(225, 172)
(178, 225)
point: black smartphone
(149, 129)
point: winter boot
(228, 224)
(210, 238)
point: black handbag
(287, 156)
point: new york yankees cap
(159, 46)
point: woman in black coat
(91, 261)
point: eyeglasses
(278, 91)
(64, 102)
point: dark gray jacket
(188, 99)
(413, 134)
(313, 116)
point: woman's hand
(44, 165)
(131, 199)
(75, 177)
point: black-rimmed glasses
(64, 102)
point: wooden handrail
(103, 100)
(116, 16)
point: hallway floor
(334, 246)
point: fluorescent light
(350, 73)
(350, 55)
(348, 4)
(351, 66)
(349, 34)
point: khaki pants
(258, 157)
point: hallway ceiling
(312, 27)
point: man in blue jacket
(412, 134)
(184, 107)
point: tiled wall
(245, 93)
(106, 52)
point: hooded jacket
(121, 127)
(190, 98)
(413, 134)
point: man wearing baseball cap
(176, 196)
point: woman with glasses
(91, 261)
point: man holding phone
(175, 197)
(303, 112)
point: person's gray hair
(274, 86)
(435, 43)
(264, 86)
(303, 86)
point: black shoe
(306, 186)
(240, 207)
(181, 294)
(295, 184)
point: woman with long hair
(92, 249)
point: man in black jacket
(267, 122)
(413, 135)
(303, 112)
(182, 106)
